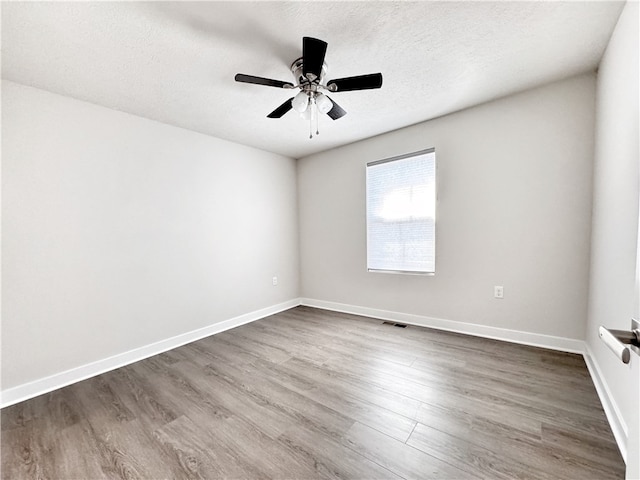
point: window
(401, 213)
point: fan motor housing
(300, 79)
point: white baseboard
(611, 410)
(515, 336)
(32, 389)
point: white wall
(615, 206)
(119, 232)
(514, 209)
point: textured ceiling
(174, 62)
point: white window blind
(401, 213)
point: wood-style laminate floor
(314, 394)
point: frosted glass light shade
(300, 102)
(306, 115)
(323, 103)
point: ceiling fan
(309, 72)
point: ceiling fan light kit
(309, 72)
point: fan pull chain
(313, 113)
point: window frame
(404, 156)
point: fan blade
(241, 77)
(281, 110)
(336, 112)
(313, 52)
(360, 82)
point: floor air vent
(401, 325)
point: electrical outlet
(274, 281)
(498, 291)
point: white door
(633, 434)
(633, 438)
